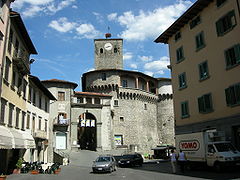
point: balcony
(40, 134)
(21, 59)
(61, 124)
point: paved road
(80, 169)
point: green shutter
(237, 93)
(237, 53)
(201, 104)
(227, 58)
(227, 94)
(219, 27)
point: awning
(29, 140)
(19, 140)
(6, 138)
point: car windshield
(128, 156)
(223, 147)
(103, 159)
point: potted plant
(18, 166)
(3, 177)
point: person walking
(173, 157)
(182, 160)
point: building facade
(204, 48)
(24, 101)
(118, 110)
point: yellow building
(204, 48)
(15, 138)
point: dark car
(131, 160)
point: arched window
(101, 50)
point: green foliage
(19, 163)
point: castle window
(115, 50)
(101, 50)
(145, 106)
(104, 76)
(79, 99)
(89, 100)
(96, 100)
(124, 83)
(115, 102)
(61, 96)
(121, 118)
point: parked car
(131, 160)
(104, 164)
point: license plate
(99, 169)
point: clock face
(108, 46)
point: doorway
(87, 132)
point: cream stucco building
(204, 48)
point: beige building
(16, 135)
(204, 48)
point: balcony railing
(21, 58)
(62, 122)
(40, 134)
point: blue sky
(63, 32)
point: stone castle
(118, 109)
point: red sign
(191, 145)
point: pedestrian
(182, 160)
(173, 157)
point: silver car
(104, 164)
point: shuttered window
(226, 23)
(205, 103)
(232, 94)
(232, 56)
(184, 109)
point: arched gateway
(87, 138)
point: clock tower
(108, 53)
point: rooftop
(197, 7)
(60, 81)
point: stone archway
(87, 132)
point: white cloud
(62, 25)
(87, 31)
(148, 73)
(37, 7)
(112, 16)
(82, 30)
(134, 66)
(158, 66)
(74, 7)
(145, 58)
(99, 17)
(127, 56)
(150, 24)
